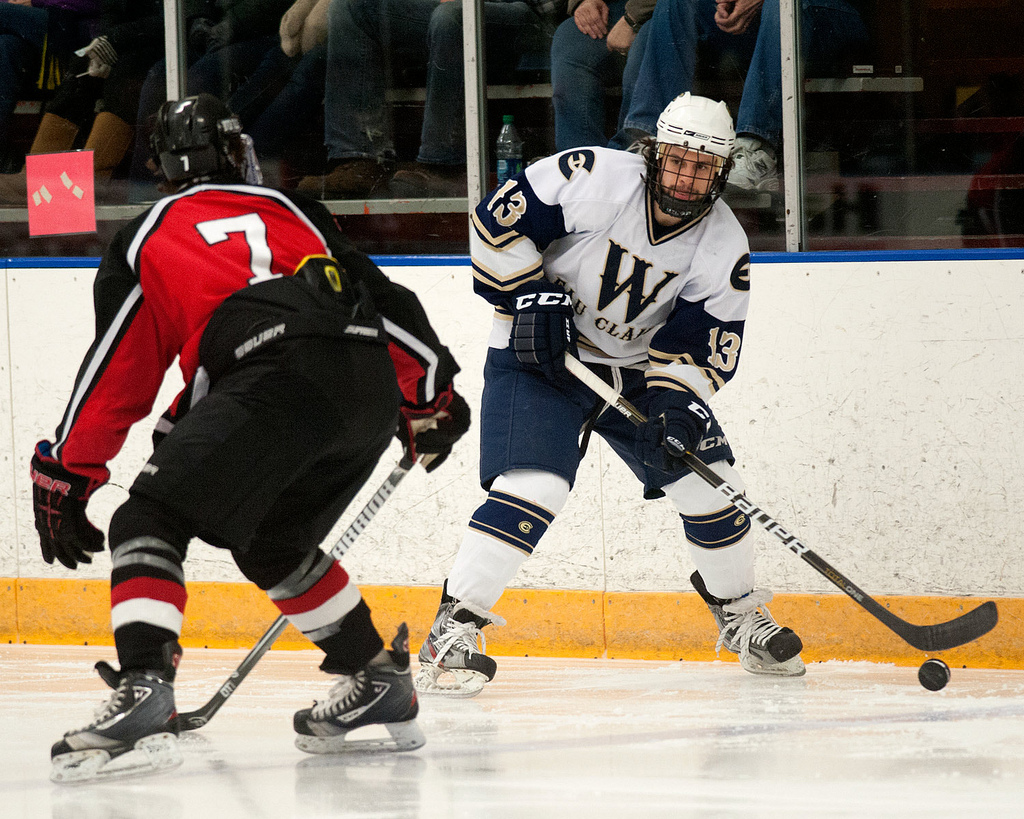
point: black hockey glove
(543, 327)
(433, 429)
(59, 498)
(678, 422)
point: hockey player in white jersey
(632, 262)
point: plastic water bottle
(508, 150)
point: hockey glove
(433, 429)
(543, 327)
(678, 422)
(102, 57)
(59, 498)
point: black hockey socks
(321, 602)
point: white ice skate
(746, 628)
(453, 659)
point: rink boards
(875, 414)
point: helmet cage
(661, 188)
(694, 123)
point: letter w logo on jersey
(612, 288)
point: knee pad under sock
(503, 532)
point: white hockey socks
(503, 532)
(717, 533)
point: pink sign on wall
(61, 193)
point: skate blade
(405, 736)
(152, 754)
(793, 667)
(449, 682)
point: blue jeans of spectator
(281, 99)
(830, 30)
(581, 69)
(369, 39)
(22, 32)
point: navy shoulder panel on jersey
(515, 210)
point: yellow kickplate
(546, 623)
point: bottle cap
(508, 118)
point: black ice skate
(452, 659)
(746, 628)
(133, 734)
(377, 695)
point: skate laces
(458, 635)
(747, 620)
(345, 693)
(467, 637)
(108, 709)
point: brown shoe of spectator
(13, 189)
(348, 179)
(423, 181)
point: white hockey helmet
(700, 124)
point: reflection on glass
(919, 145)
(913, 112)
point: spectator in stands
(368, 42)
(36, 39)
(282, 101)
(600, 45)
(227, 41)
(101, 91)
(832, 32)
(995, 199)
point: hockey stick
(191, 720)
(938, 637)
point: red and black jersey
(172, 266)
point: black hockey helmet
(197, 139)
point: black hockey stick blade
(935, 637)
(938, 637)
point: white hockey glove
(102, 57)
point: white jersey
(672, 301)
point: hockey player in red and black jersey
(301, 360)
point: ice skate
(453, 659)
(377, 695)
(133, 733)
(746, 628)
(754, 166)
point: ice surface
(548, 738)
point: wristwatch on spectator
(633, 24)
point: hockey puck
(933, 674)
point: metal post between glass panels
(174, 50)
(476, 101)
(792, 125)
